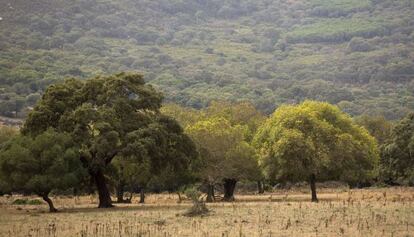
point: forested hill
(358, 54)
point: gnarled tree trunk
(260, 187)
(104, 195)
(210, 193)
(49, 202)
(312, 181)
(229, 186)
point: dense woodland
(357, 54)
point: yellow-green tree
(243, 113)
(225, 154)
(184, 115)
(315, 140)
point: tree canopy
(225, 154)
(397, 162)
(7, 133)
(377, 126)
(315, 140)
(107, 117)
(40, 165)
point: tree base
(229, 187)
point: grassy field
(368, 212)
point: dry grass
(370, 212)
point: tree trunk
(120, 192)
(142, 196)
(104, 195)
(129, 200)
(260, 187)
(50, 203)
(312, 181)
(210, 193)
(229, 186)
(179, 197)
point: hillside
(358, 54)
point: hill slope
(358, 54)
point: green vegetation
(355, 54)
(225, 153)
(334, 75)
(223, 133)
(115, 117)
(397, 164)
(114, 129)
(378, 127)
(41, 164)
(335, 8)
(27, 202)
(315, 140)
(337, 30)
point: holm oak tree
(105, 116)
(41, 164)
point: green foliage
(224, 150)
(27, 202)
(160, 155)
(222, 132)
(41, 164)
(184, 115)
(315, 138)
(199, 207)
(115, 116)
(334, 8)
(336, 30)
(397, 163)
(7, 133)
(266, 52)
(241, 113)
(378, 127)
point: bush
(199, 207)
(27, 202)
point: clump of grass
(27, 202)
(199, 207)
(160, 222)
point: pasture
(340, 212)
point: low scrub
(27, 202)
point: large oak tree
(315, 140)
(106, 117)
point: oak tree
(225, 154)
(105, 117)
(41, 164)
(315, 140)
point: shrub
(199, 207)
(27, 202)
